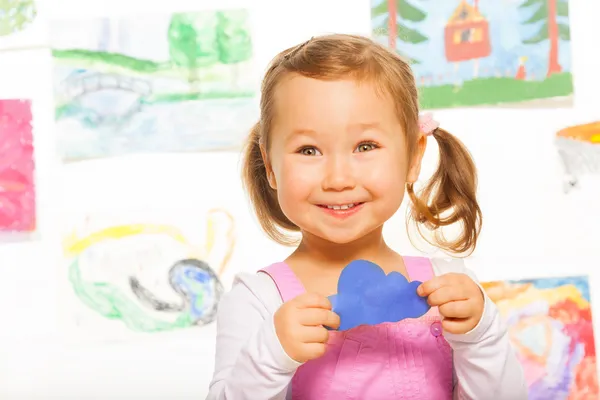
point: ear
(414, 169)
(268, 168)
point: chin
(341, 240)
(340, 237)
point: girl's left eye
(366, 147)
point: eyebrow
(304, 132)
(359, 126)
(369, 125)
(294, 133)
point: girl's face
(338, 157)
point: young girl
(338, 141)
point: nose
(339, 175)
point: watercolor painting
(550, 326)
(473, 53)
(16, 15)
(17, 186)
(147, 84)
(579, 150)
(147, 277)
(21, 26)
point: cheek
(386, 183)
(295, 183)
(387, 177)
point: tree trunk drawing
(546, 14)
(193, 44)
(553, 65)
(392, 25)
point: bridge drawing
(126, 100)
(79, 85)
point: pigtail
(449, 196)
(262, 196)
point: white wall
(531, 227)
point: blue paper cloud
(367, 296)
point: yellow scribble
(74, 245)
(230, 236)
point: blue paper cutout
(367, 296)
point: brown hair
(448, 197)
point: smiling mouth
(340, 207)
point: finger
(314, 334)
(455, 325)
(434, 284)
(314, 350)
(456, 309)
(312, 300)
(446, 294)
(430, 286)
(319, 316)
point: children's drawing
(17, 189)
(550, 326)
(579, 150)
(469, 53)
(150, 277)
(22, 25)
(16, 15)
(146, 84)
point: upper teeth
(342, 207)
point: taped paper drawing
(16, 16)
(550, 325)
(147, 277)
(579, 150)
(148, 84)
(22, 24)
(469, 53)
(17, 187)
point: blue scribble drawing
(198, 285)
(176, 83)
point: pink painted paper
(17, 191)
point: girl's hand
(300, 326)
(458, 298)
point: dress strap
(288, 284)
(420, 269)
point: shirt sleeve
(485, 364)
(250, 362)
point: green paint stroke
(110, 302)
(16, 15)
(110, 59)
(490, 91)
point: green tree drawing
(547, 12)
(233, 39)
(16, 15)
(193, 44)
(393, 25)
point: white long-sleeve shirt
(251, 364)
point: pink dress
(409, 359)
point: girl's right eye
(309, 151)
